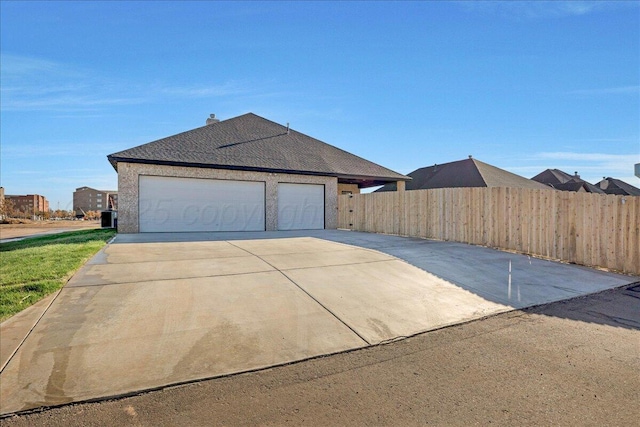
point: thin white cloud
(590, 157)
(605, 140)
(17, 65)
(90, 179)
(576, 7)
(542, 9)
(32, 89)
(333, 114)
(65, 103)
(26, 172)
(619, 90)
(590, 166)
(228, 88)
(52, 149)
(37, 84)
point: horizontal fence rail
(590, 229)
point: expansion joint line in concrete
(325, 307)
(309, 295)
(177, 278)
(336, 265)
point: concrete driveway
(159, 309)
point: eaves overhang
(362, 180)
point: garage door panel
(188, 204)
(300, 207)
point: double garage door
(168, 204)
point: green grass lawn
(33, 268)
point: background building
(87, 199)
(28, 206)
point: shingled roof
(464, 173)
(250, 142)
(561, 180)
(619, 187)
(553, 177)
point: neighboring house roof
(250, 142)
(616, 186)
(553, 177)
(561, 180)
(464, 173)
(578, 186)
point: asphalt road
(574, 362)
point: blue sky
(524, 86)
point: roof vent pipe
(212, 119)
(287, 128)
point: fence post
(401, 227)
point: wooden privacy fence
(583, 228)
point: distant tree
(44, 214)
(61, 214)
(24, 213)
(7, 208)
(92, 215)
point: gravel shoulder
(573, 362)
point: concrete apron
(141, 316)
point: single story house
(463, 173)
(242, 174)
(561, 180)
(616, 186)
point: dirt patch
(13, 231)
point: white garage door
(300, 207)
(188, 204)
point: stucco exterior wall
(129, 173)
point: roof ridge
(322, 142)
(474, 160)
